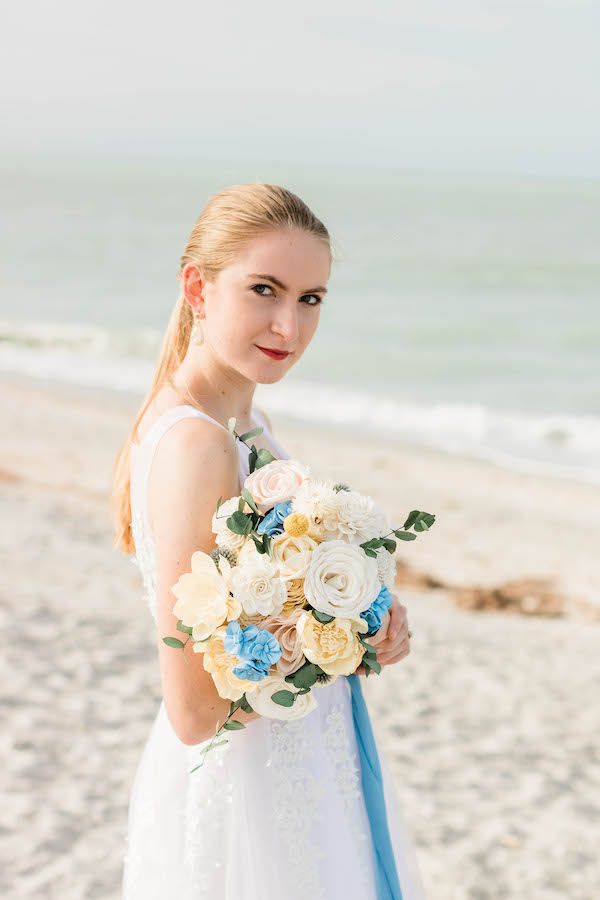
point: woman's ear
(192, 284)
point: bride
(285, 809)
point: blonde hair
(228, 221)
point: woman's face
(268, 298)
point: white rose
(292, 555)
(276, 482)
(341, 579)
(260, 699)
(256, 584)
(224, 537)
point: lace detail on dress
(348, 781)
(144, 557)
(135, 848)
(209, 796)
(298, 794)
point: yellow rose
(333, 646)
(220, 664)
(203, 600)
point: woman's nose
(286, 324)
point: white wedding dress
(278, 811)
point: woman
(279, 811)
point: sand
(490, 724)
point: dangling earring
(197, 335)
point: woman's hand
(391, 641)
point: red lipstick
(274, 354)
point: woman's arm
(195, 463)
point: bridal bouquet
(300, 578)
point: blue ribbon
(388, 885)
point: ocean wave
(557, 444)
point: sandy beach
(490, 724)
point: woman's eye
(317, 298)
(255, 286)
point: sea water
(463, 312)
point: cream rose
(333, 646)
(256, 584)
(220, 664)
(292, 555)
(276, 482)
(260, 699)
(203, 600)
(341, 579)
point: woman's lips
(274, 354)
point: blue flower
(273, 521)
(373, 616)
(233, 641)
(253, 671)
(263, 647)
(252, 645)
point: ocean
(463, 312)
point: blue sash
(388, 885)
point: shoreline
(495, 529)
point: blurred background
(454, 155)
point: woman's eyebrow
(280, 284)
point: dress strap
(143, 452)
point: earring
(197, 335)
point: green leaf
(405, 535)
(369, 552)
(233, 725)
(245, 493)
(283, 698)
(239, 523)
(250, 434)
(371, 664)
(231, 423)
(174, 642)
(389, 545)
(187, 629)
(245, 705)
(263, 457)
(306, 676)
(322, 617)
(220, 501)
(411, 518)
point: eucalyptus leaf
(187, 629)
(245, 493)
(389, 545)
(250, 434)
(174, 642)
(283, 698)
(323, 618)
(233, 725)
(306, 676)
(239, 523)
(245, 705)
(405, 535)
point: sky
(462, 86)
